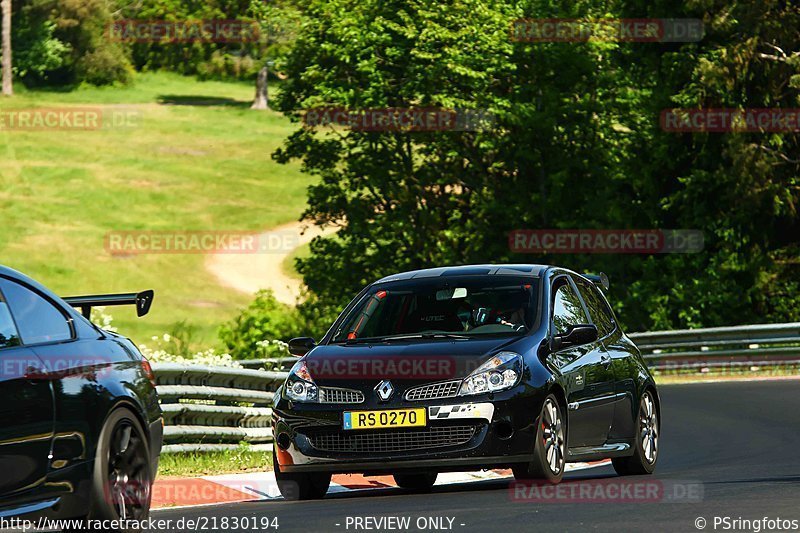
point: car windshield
(452, 308)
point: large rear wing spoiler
(142, 301)
(601, 280)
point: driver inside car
(513, 315)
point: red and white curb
(258, 486)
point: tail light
(148, 371)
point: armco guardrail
(216, 408)
(283, 363)
(721, 347)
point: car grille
(392, 441)
(447, 389)
(334, 395)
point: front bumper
(500, 436)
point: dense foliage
(248, 335)
(65, 42)
(576, 144)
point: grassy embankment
(197, 158)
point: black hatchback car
(462, 368)
(80, 423)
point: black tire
(300, 486)
(122, 478)
(549, 453)
(645, 453)
(416, 482)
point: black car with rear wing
(80, 423)
(463, 368)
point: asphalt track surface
(739, 442)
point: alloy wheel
(648, 428)
(553, 436)
(128, 472)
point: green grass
(762, 372)
(198, 160)
(213, 463)
(289, 267)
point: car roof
(469, 270)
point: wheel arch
(558, 391)
(561, 396)
(129, 405)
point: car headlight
(501, 372)
(300, 386)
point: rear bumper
(156, 430)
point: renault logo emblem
(384, 390)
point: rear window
(8, 330)
(470, 305)
(38, 320)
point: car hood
(406, 364)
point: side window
(38, 320)
(598, 308)
(8, 330)
(567, 307)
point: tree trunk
(262, 94)
(5, 9)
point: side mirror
(301, 346)
(575, 336)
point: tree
(410, 200)
(5, 12)
(742, 189)
(576, 144)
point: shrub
(36, 49)
(104, 66)
(252, 333)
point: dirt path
(250, 273)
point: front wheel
(645, 455)
(300, 485)
(549, 455)
(416, 482)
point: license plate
(387, 418)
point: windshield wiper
(426, 336)
(365, 340)
(369, 340)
